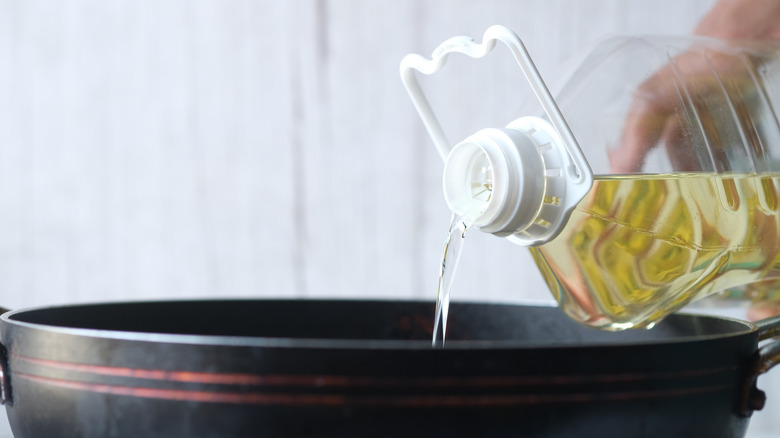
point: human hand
(702, 81)
(697, 78)
(763, 309)
(755, 20)
(745, 20)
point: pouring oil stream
(451, 254)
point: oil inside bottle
(640, 247)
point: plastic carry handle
(467, 46)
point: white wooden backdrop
(158, 149)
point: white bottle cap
(522, 166)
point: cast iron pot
(366, 369)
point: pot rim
(348, 344)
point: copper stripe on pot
(411, 401)
(356, 381)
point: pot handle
(764, 359)
(768, 328)
(5, 378)
(5, 375)
(768, 355)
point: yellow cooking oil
(459, 224)
(642, 246)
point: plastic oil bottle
(659, 186)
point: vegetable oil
(639, 247)
(459, 224)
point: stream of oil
(449, 264)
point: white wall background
(158, 149)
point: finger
(676, 140)
(641, 131)
(652, 104)
(763, 310)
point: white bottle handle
(580, 170)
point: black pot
(366, 369)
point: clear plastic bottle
(651, 181)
